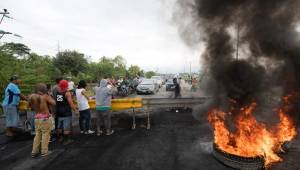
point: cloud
(139, 30)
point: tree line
(17, 58)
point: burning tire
(237, 162)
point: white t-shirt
(82, 102)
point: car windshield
(170, 81)
(156, 77)
(147, 82)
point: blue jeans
(84, 120)
(32, 122)
(11, 115)
(64, 123)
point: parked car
(147, 86)
(170, 86)
(159, 79)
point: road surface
(176, 141)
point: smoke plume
(268, 45)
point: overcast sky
(140, 30)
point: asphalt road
(176, 140)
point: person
(71, 85)
(54, 92)
(55, 87)
(177, 88)
(84, 108)
(64, 107)
(12, 96)
(194, 85)
(103, 107)
(40, 102)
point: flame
(252, 138)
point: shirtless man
(40, 101)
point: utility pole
(190, 68)
(237, 41)
(58, 47)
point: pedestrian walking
(41, 102)
(12, 96)
(84, 108)
(177, 88)
(103, 107)
(64, 108)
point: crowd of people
(53, 109)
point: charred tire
(238, 162)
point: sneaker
(99, 132)
(89, 132)
(34, 155)
(110, 132)
(46, 154)
(81, 132)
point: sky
(141, 31)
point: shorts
(11, 115)
(64, 123)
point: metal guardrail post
(148, 119)
(133, 119)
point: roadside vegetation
(16, 58)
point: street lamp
(4, 14)
(2, 33)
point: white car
(147, 86)
(159, 80)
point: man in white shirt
(84, 108)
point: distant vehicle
(170, 86)
(147, 86)
(159, 80)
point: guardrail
(146, 103)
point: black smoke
(269, 45)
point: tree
(134, 71)
(15, 49)
(119, 66)
(70, 62)
(149, 74)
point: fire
(250, 137)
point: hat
(14, 77)
(63, 85)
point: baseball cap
(14, 77)
(63, 85)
